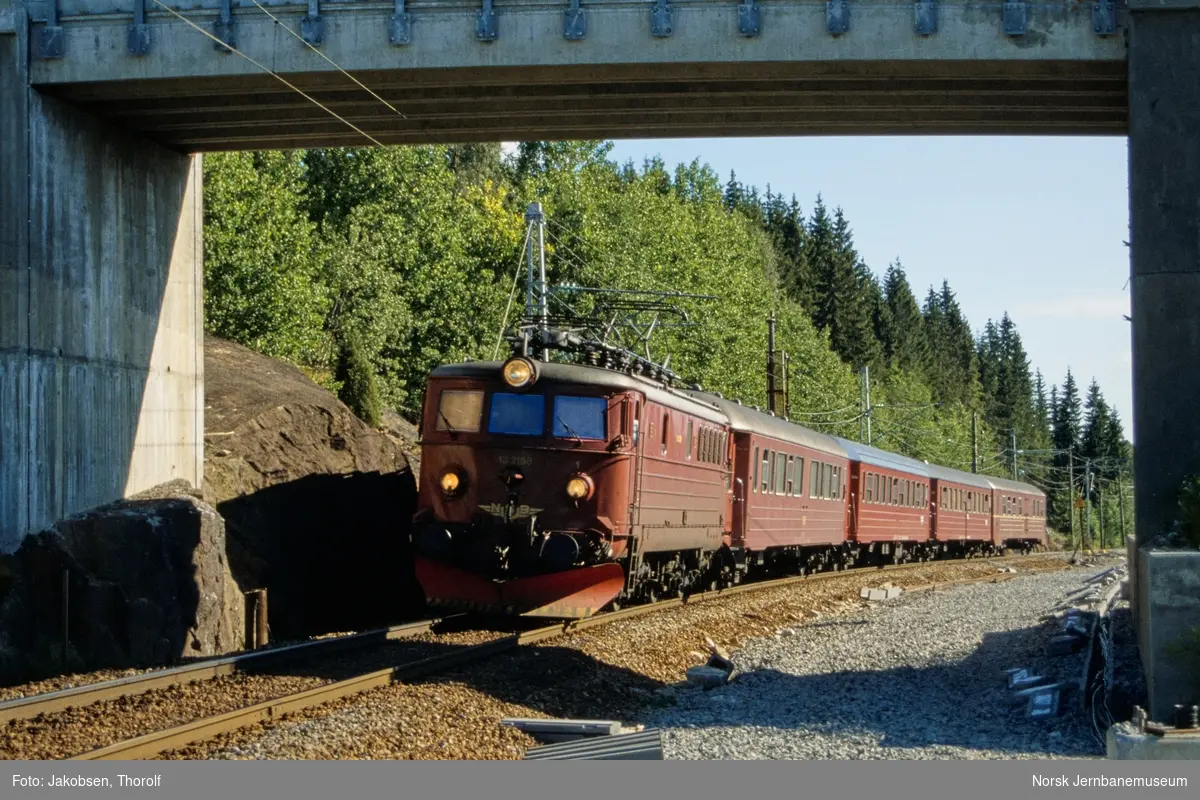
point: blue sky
(1032, 226)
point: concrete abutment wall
(1164, 204)
(101, 314)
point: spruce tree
(902, 334)
(359, 389)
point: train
(559, 490)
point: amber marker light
(451, 483)
(519, 373)
(580, 487)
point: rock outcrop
(316, 502)
(147, 582)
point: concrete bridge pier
(101, 368)
(1164, 194)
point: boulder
(147, 583)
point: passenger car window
(459, 411)
(799, 489)
(754, 483)
(517, 414)
(780, 472)
(580, 416)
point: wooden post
(262, 633)
(256, 619)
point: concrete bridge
(104, 102)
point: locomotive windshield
(517, 414)
(459, 411)
(581, 417)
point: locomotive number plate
(515, 461)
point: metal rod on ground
(1100, 500)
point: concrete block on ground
(1127, 743)
(1167, 606)
(892, 592)
(563, 729)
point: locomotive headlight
(580, 487)
(519, 373)
(451, 483)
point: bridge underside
(248, 112)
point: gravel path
(919, 677)
(618, 671)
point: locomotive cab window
(459, 411)
(582, 417)
(517, 414)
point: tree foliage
(380, 264)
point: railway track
(89, 694)
(169, 738)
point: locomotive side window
(666, 431)
(689, 440)
(517, 414)
(637, 413)
(459, 411)
(581, 417)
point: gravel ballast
(919, 677)
(620, 671)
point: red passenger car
(889, 502)
(790, 496)
(1019, 514)
(962, 517)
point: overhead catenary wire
(336, 66)
(275, 75)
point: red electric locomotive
(554, 490)
(549, 489)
